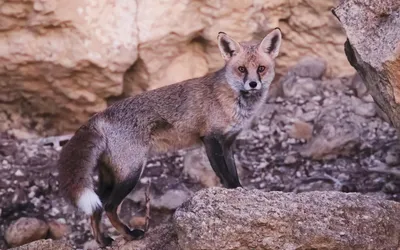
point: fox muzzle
(252, 85)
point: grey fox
(210, 111)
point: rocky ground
(313, 134)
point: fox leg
(99, 236)
(220, 154)
(104, 190)
(127, 180)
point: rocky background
(325, 151)
(62, 61)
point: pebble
(290, 159)
(19, 173)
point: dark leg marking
(98, 235)
(220, 155)
(103, 191)
(120, 191)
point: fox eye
(242, 69)
(261, 69)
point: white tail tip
(88, 201)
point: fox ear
(271, 43)
(227, 46)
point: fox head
(250, 67)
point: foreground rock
(45, 245)
(237, 219)
(26, 230)
(372, 48)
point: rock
(45, 245)
(137, 222)
(197, 166)
(372, 49)
(20, 197)
(8, 148)
(300, 79)
(21, 134)
(57, 230)
(25, 230)
(358, 85)
(53, 70)
(301, 130)
(392, 157)
(19, 173)
(169, 198)
(309, 67)
(99, 51)
(162, 237)
(335, 84)
(219, 218)
(363, 109)
(91, 245)
(293, 86)
(335, 131)
(290, 159)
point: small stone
(309, 67)
(290, 159)
(137, 221)
(57, 230)
(357, 84)
(25, 230)
(392, 156)
(19, 173)
(363, 109)
(31, 194)
(301, 130)
(198, 168)
(54, 211)
(90, 245)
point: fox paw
(104, 241)
(136, 234)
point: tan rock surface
(218, 218)
(45, 245)
(373, 48)
(61, 61)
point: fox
(208, 111)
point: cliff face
(61, 61)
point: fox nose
(253, 85)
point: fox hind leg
(99, 236)
(120, 190)
(105, 186)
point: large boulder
(45, 245)
(59, 58)
(219, 218)
(61, 61)
(373, 49)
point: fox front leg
(220, 154)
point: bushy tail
(77, 160)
